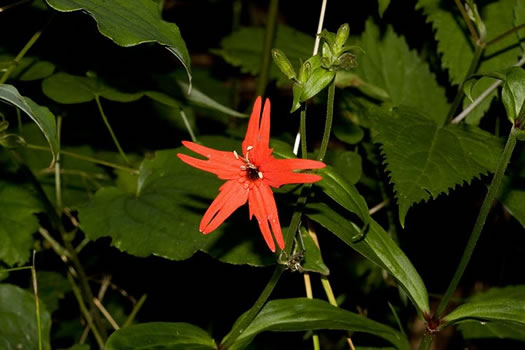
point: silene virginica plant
(390, 196)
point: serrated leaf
(130, 23)
(162, 218)
(40, 115)
(17, 209)
(497, 305)
(18, 328)
(160, 335)
(454, 43)
(301, 314)
(377, 246)
(425, 159)
(389, 64)
(243, 48)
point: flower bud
(342, 35)
(305, 72)
(283, 63)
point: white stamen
(249, 148)
(243, 167)
(235, 154)
(260, 175)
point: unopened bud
(342, 35)
(326, 52)
(283, 63)
(305, 72)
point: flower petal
(253, 126)
(232, 195)
(278, 172)
(221, 163)
(262, 205)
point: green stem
(480, 222)
(426, 342)
(58, 181)
(302, 132)
(135, 310)
(85, 311)
(467, 20)
(110, 129)
(187, 124)
(504, 34)
(248, 317)
(459, 94)
(328, 121)
(22, 53)
(37, 304)
(269, 34)
(86, 158)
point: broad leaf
(456, 48)
(130, 23)
(162, 216)
(389, 64)
(425, 159)
(498, 305)
(18, 326)
(313, 261)
(301, 314)
(377, 246)
(52, 287)
(159, 335)
(40, 115)
(483, 330)
(243, 49)
(519, 19)
(29, 68)
(17, 209)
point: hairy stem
(110, 129)
(269, 35)
(480, 222)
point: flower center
(252, 172)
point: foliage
(106, 216)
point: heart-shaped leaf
(130, 23)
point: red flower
(250, 176)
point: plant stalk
(328, 121)
(110, 129)
(302, 132)
(426, 342)
(269, 35)
(480, 222)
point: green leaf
(454, 43)
(513, 198)
(243, 48)
(383, 5)
(40, 115)
(484, 330)
(18, 328)
(28, 69)
(377, 246)
(425, 159)
(351, 79)
(301, 314)
(52, 287)
(130, 23)
(513, 92)
(348, 132)
(519, 19)
(343, 192)
(162, 217)
(495, 305)
(389, 64)
(159, 335)
(313, 261)
(17, 209)
(319, 79)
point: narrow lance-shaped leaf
(130, 23)
(301, 314)
(40, 115)
(160, 335)
(377, 246)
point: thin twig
(135, 310)
(106, 314)
(379, 206)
